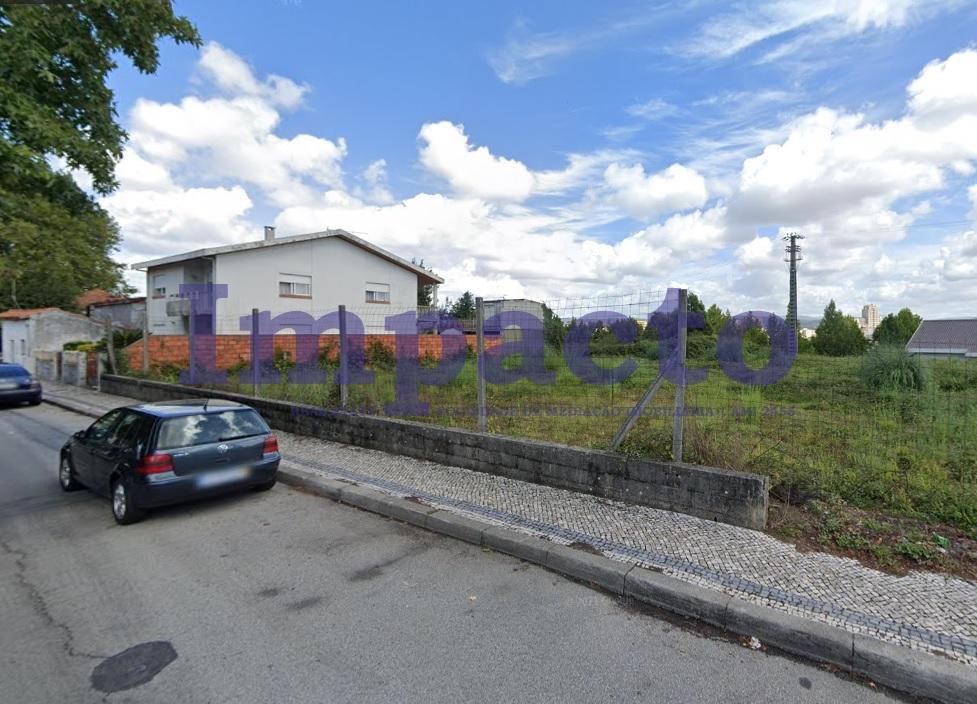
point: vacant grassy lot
(821, 435)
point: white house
(312, 273)
(24, 331)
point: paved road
(286, 597)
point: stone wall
(731, 497)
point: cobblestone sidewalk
(921, 610)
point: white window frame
(377, 292)
(294, 286)
(159, 291)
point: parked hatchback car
(157, 454)
(18, 386)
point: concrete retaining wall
(74, 368)
(47, 365)
(731, 497)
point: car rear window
(10, 370)
(203, 428)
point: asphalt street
(287, 597)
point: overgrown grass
(822, 432)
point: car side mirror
(81, 434)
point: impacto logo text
(506, 362)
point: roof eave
(425, 278)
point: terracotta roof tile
(23, 313)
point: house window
(377, 293)
(23, 348)
(159, 286)
(294, 286)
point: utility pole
(793, 256)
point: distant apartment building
(510, 305)
(870, 319)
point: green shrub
(234, 371)
(284, 363)
(379, 357)
(328, 356)
(954, 375)
(167, 371)
(699, 345)
(80, 346)
(892, 368)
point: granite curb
(911, 671)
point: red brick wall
(175, 349)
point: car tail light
(271, 446)
(155, 464)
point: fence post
(480, 363)
(678, 422)
(145, 341)
(192, 344)
(110, 344)
(255, 354)
(343, 360)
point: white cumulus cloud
(642, 195)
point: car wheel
(267, 485)
(35, 401)
(66, 476)
(124, 510)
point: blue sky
(571, 149)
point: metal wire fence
(579, 370)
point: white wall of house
(162, 285)
(16, 342)
(46, 331)
(331, 270)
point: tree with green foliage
(554, 331)
(715, 319)
(425, 294)
(838, 335)
(464, 307)
(897, 329)
(695, 304)
(55, 240)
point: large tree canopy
(897, 329)
(55, 241)
(464, 307)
